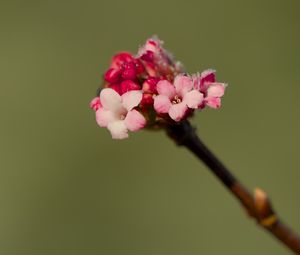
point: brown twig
(257, 205)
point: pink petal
(183, 84)
(110, 100)
(118, 129)
(104, 117)
(213, 102)
(165, 88)
(177, 111)
(134, 120)
(162, 104)
(131, 99)
(193, 99)
(216, 90)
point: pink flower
(95, 104)
(118, 114)
(212, 90)
(176, 99)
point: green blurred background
(67, 188)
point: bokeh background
(67, 188)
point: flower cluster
(150, 90)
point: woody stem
(258, 204)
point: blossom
(117, 113)
(212, 90)
(176, 99)
(151, 90)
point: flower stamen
(176, 100)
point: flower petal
(213, 102)
(131, 99)
(216, 90)
(183, 84)
(110, 100)
(134, 120)
(193, 99)
(165, 88)
(177, 111)
(162, 104)
(118, 129)
(104, 117)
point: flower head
(151, 90)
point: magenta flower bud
(112, 75)
(119, 59)
(148, 56)
(116, 87)
(149, 86)
(139, 66)
(129, 72)
(147, 100)
(128, 85)
(95, 104)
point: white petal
(104, 117)
(183, 84)
(118, 129)
(131, 99)
(110, 100)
